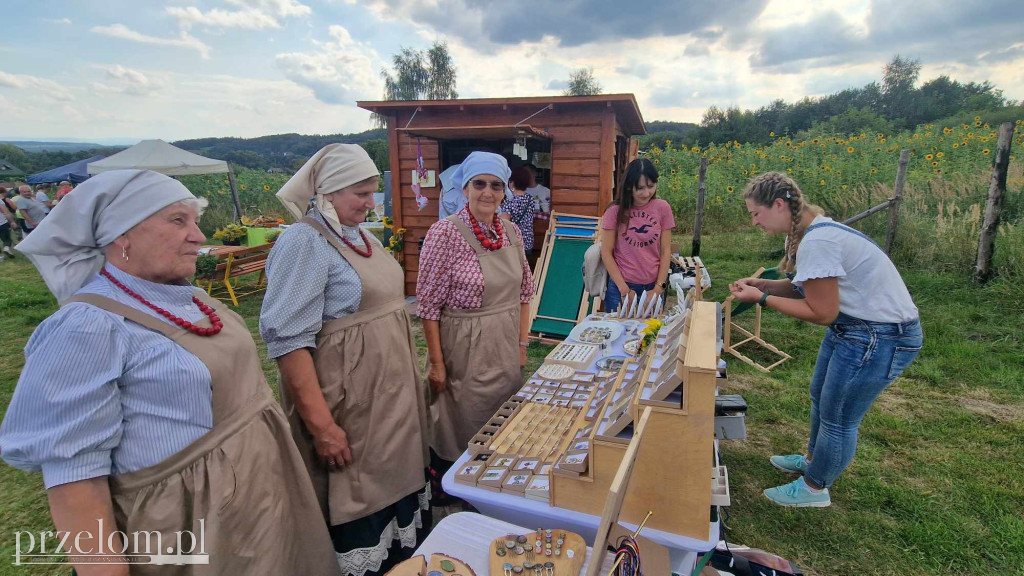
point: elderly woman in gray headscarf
(334, 318)
(142, 400)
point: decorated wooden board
(437, 565)
(538, 553)
(538, 431)
(575, 354)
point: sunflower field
(256, 190)
(944, 197)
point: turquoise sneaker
(796, 494)
(795, 463)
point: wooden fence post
(996, 193)
(897, 199)
(698, 224)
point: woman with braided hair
(840, 278)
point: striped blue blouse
(100, 395)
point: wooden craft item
(556, 371)
(631, 347)
(470, 472)
(492, 477)
(527, 464)
(568, 563)
(617, 492)
(575, 461)
(539, 487)
(516, 483)
(751, 337)
(575, 354)
(440, 563)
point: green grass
(937, 484)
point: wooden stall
(587, 138)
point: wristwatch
(764, 298)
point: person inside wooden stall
(473, 293)
(334, 318)
(519, 207)
(143, 401)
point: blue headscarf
(478, 163)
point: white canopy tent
(159, 156)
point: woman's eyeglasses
(482, 184)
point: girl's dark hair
(521, 178)
(624, 199)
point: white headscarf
(332, 168)
(68, 245)
(452, 198)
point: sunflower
(772, 134)
(946, 130)
(243, 188)
(986, 151)
(977, 118)
(815, 141)
(934, 164)
(940, 154)
(977, 123)
(929, 156)
(730, 189)
(718, 198)
(844, 186)
(850, 149)
(822, 182)
(956, 145)
(874, 171)
(266, 188)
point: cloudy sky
(173, 69)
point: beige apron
(244, 478)
(480, 348)
(366, 365)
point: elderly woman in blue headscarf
(143, 401)
(473, 291)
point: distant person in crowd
(541, 195)
(636, 236)
(62, 191)
(840, 278)
(519, 205)
(33, 211)
(452, 199)
(473, 293)
(18, 227)
(7, 223)
(334, 319)
(143, 401)
(43, 197)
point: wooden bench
(239, 263)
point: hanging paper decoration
(421, 174)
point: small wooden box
(470, 472)
(516, 482)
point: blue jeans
(856, 362)
(612, 298)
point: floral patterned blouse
(520, 212)
(449, 271)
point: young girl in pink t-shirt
(636, 238)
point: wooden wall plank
(575, 167)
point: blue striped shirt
(308, 283)
(103, 396)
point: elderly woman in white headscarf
(473, 291)
(142, 400)
(334, 318)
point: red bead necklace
(486, 242)
(216, 327)
(366, 241)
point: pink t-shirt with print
(637, 250)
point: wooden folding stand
(728, 325)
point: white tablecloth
(525, 512)
(468, 537)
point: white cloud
(281, 8)
(121, 80)
(65, 21)
(340, 72)
(38, 87)
(185, 40)
(246, 19)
